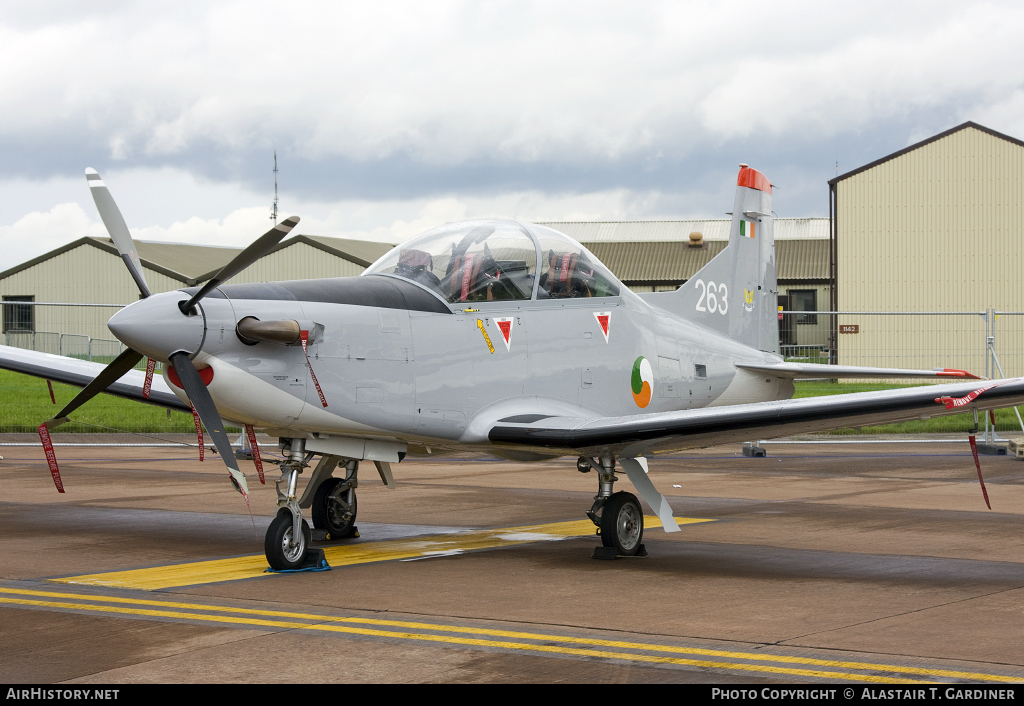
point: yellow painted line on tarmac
(328, 620)
(248, 567)
(452, 640)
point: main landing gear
(333, 503)
(618, 516)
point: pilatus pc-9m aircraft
(495, 336)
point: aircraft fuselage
(394, 361)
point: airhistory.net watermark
(40, 694)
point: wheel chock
(754, 451)
(320, 535)
(992, 449)
(611, 553)
(313, 561)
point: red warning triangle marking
(505, 326)
(603, 318)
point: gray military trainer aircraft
(496, 336)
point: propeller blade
(117, 228)
(109, 375)
(251, 254)
(203, 404)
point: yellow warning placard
(480, 325)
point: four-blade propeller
(186, 372)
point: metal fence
(986, 343)
(70, 329)
(73, 345)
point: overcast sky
(391, 118)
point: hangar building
(934, 227)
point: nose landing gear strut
(288, 537)
(618, 516)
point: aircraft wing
(809, 371)
(81, 372)
(638, 434)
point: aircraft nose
(156, 327)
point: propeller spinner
(154, 327)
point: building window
(19, 317)
(804, 300)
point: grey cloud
(393, 101)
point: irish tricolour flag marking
(641, 382)
(747, 229)
(505, 326)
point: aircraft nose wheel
(334, 511)
(622, 524)
(283, 553)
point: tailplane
(736, 293)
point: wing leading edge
(638, 434)
(81, 372)
(809, 371)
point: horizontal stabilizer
(807, 371)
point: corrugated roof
(653, 262)
(802, 259)
(192, 264)
(200, 262)
(362, 252)
(679, 231)
(640, 231)
(185, 263)
(676, 262)
(191, 261)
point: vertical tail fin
(737, 293)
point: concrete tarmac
(855, 563)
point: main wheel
(282, 553)
(622, 524)
(336, 516)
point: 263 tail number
(713, 297)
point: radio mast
(273, 211)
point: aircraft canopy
(498, 261)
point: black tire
(279, 533)
(330, 515)
(622, 524)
